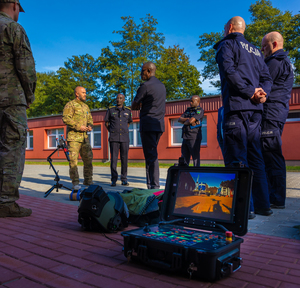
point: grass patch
(138, 164)
(103, 164)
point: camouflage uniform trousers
(86, 153)
(13, 126)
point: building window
(134, 135)
(29, 140)
(176, 131)
(293, 116)
(95, 137)
(54, 134)
(204, 131)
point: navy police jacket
(187, 131)
(242, 69)
(277, 105)
(118, 119)
(152, 95)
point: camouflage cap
(13, 1)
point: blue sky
(212, 180)
(58, 29)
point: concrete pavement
(37, 179)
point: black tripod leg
(66, 187)
(49, 191)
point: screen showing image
(206, 195)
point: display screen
(206, 195)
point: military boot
(88, 182)
(13, 210)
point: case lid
(208, 198)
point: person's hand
(89, 128)
(259, 96)
(83, 128)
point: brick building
(43, 131)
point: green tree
(54, 90)
(120, 64)
(37, 108)
(207, 55)
(264, 19)
(84, 71)
(181, 78)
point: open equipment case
(203, 210)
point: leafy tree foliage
(182, 80)
(54, 90)
(121, 64)
(264, 19)
(207, 54)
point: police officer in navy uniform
(117, 121)
(191, 131)
(151, 101)
(276, 110)
(245, 82)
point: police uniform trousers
(150, 141)
(274, 160)
(86, 153)
(191, 147)
(242, 131)
(13, 126)
(115, 147)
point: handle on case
(176, 263)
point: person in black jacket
(151, 101)
(245, 82)
(117, 121)
(191, 131)
(276, 110)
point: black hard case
(198, 260)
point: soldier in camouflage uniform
(79, 121)
(17, 86)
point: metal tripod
(57, 185)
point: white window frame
(177, 127)
(57, 135)
(135, 129)
(28, 137)
(92, 136)
(172, 131)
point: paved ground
(48, 249)
(37, 179)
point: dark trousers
(115, 147)
(191, 147)
(274, 160)
(150, 141)
(242, 131)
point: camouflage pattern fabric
(76, 113)
(17, 86)
(13, 126)
(17, 67)
(85, 151)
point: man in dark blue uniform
(276, 110)
(117, 121)
(191, 131)
(151, 101)
(245, 81)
